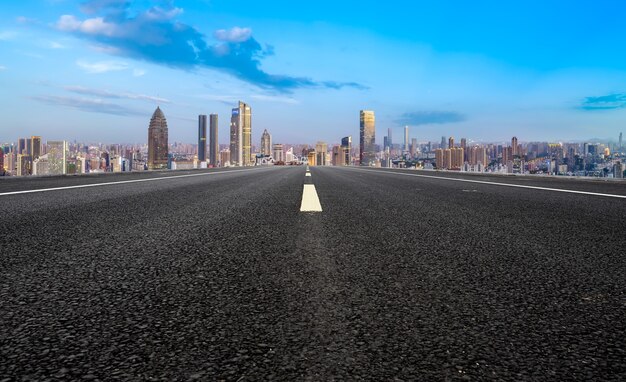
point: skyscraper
(214, 147)
(266, 143)
(202, 127)
(35, 147)
(368, 137)
(514, 146)
(413, 147)
(406, 138)
(321, 148)
(57, 157)
(21, 146)
(443, 142)
(620, 141)
(157, 141)
(279, 152)
(389, 140)
(450, 142)
(241, 135)
(346, 149)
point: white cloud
(93, 26)
(3, 67)
(102, 66)
(108, 94)
(56, 45)
(138, 72)
(7, 35)
(234, 34)
(159, 14)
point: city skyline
(74, 69)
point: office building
(279, 152)
(202, 130)
(406, 139)
(413, 147)
(266, 143)
(35, 147)
(241, 135)
(23, 166)
(514, 148)
(346, 149)
(214, 147)
(450, 142)
(443, 143)
(367, 138)
(321, 148)
(157, 141)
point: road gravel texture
(221, 277)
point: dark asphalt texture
(220, 277)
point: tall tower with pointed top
(157, 141)
(266, 143)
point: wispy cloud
(102, 66)
(25, 20)
(2, 67)
(232, 99)
(430, 117)
(606, 102)
(235, 34)
(108, 94)
(87, 104)
(7, 35)
(138, 72)
(56, 45)
(155, 36)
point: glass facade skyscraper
(202, 127)
(157, 141)
(368, 138)
(214, 147)
(241, 135)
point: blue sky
(485, 70)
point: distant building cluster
(31, 156)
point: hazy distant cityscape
(33, 156)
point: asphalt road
(219, 276)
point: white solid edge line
(505, 184)
(310, 201)
(119, 182)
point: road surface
(219, 276)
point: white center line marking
(119, 182)
(505, 184)
(310, 201)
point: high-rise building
(456, 158)
(450, 142)
(514, 147)
(413, 147)
(465, 150)
(368, 138)
(336, 158)
(620, 141)
(406, 139)
(202, 130)
(35, 147)
(241, 135)
(57, 157)
(2, 170)
(346, 150)
(266, 143)
(21, 146)
(443, 142)
(157, 141)
(214, 147)
(321, 148)
(279, 152)
(225, 157)
(23, 165)
(29, 147)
